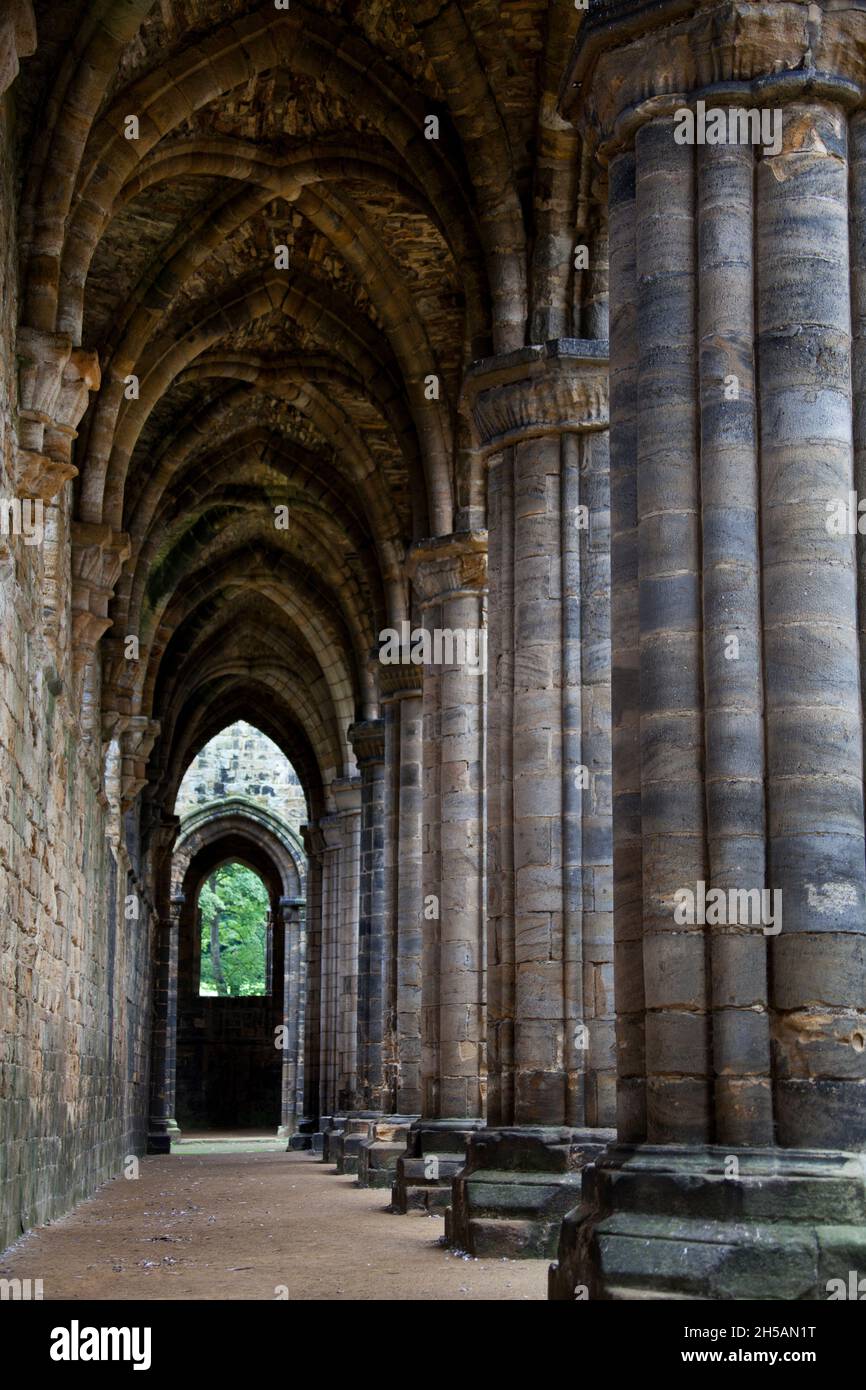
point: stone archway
(237, 1063)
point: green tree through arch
(234, 911)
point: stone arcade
(327, 321)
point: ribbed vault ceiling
(259, 386)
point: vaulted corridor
(433, 641)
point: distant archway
(239, 1050)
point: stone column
(540, 416)
(330, 829)
(347, 794)
(314, 848)
(340, 903)
(449, 575)
(162, 1126)
(404, 715)
(368, 1096)
(338, 1019)
(400, 980)
(368, 741)
(292, 914)
(740, 874)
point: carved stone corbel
(54, 383)
(98, 556)
(136, 742)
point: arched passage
(236, 1063)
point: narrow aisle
(244, 1226)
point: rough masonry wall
(241, 761)
(73, 1047)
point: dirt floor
(235, 1219)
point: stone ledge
(668, 1222)
(516, 1187)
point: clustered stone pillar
(162, 1126)
(450, 581)
(540, 416)
(368, 741)
(400, 686)
(404, 883)
(740, 875)
(314, 848)
(292, 910)
(368, 1093)
(339, 961)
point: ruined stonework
(432, 473)
(242, 762)
(75, 912)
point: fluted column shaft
(164, 1041)
(291, 910)
(348, 797)
(313, 973)
(735, 221)
(540, 416)
(368, 740)
(742, 638)
(813, 679)
(338, 1027)
(540, 419)
(450, 579)
(404, 907)
(332, 837)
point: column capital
(137, 738)
(447, 565)
(633, 62)
(546, 389)
(346, 792)
(398, 680)
(367, 737)
(331, 828)
(292, 905)
(313, 840)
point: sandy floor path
(215, 1222)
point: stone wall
(241, 761)
(73, 1049)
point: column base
(332, 1125)
(509, 1200)
(298, 1132)
(435, 1151)
(158, 1142)
(344, 1147)
(377, 1156)
(302, 1136)
(677, 1222)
